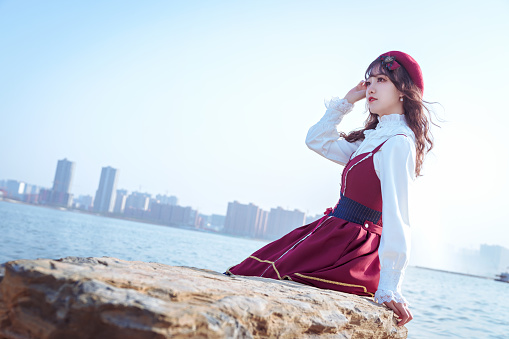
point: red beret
(393, 59)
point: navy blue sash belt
(350, 210)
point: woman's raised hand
(357, 93)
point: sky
(211, 101)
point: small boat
(504, 277)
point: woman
(362, 245)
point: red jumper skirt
(338, 251)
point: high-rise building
(211, 222)
(261, 225)
(120, 201)
(15, 189)
(137, 201)
(84, 202)
(61, 191)
(173, 215)
(217, 221)
(282, 221)
(63, 176)
(31, 194)
(44, 196)
(105, 196)
(167, 200)
(26, 192)
(245, 220)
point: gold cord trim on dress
(306, 276)
(268, 262)
(334, 282)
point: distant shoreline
(121, 217)
(458, 273)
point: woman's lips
(371, 99)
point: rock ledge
(111, 298)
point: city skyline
(110, 178)
(240, 219)
(107, 171)
(211, 101)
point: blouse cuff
(382, 296)
(389, 287)
(338, 104)
(336, 109)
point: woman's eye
(381, 79)
(367, 83)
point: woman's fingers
(361, 85)
(357, 93)
(410, 314)
(360, 88)
(404, 312)
(392, 307)
(401, 311)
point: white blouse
(394, 166)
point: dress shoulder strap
(377, 148)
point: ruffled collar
(391, 120)
(390, 124)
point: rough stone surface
(111, 298)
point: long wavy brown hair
(417, 115)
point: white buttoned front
(366, 225)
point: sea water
(443, 305)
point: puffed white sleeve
(396, 170)
(323, 137)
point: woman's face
(382, 96)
